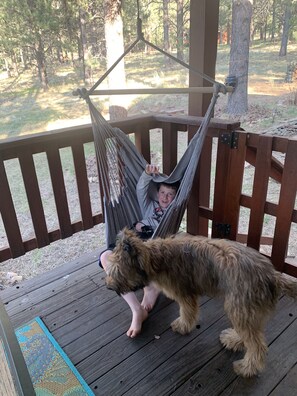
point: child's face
(165, 196)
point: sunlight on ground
(67, 123)
(105, 101)
(3, 76)
(268, 85)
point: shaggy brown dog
(186, 268)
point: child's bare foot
(150, 297)
(139, 315)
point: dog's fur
(186, 268)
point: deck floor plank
(65, 289)
(288, 385)
(219, 368)
(79, 309)
(171, 374)
(281, 357)
(104, 334)
(89, 322)
(44, 279)
(153, 354)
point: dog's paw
(231, 340)
(243, 369)
(180, 327)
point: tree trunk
(15, 64)
(180, 30)
(286, 28)
(265, 30)
(228, 33)
(166, 25)
(113, 26)
(83, 44)
(23, 58)
(79, 45)
(41, 65)
(239, 55)
(59, 52)
(8, 73)
(273, 22)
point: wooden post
(228, 184)
(169, 146)
(204, 15)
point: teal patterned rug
(51, 371)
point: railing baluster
(169, 146)
(34, 198)
(9, 217)
(285, 207)
(56, 172)
(82, 185)
(197, 224)
(142, 141)
(260, 187)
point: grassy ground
(25, 108)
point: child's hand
(151, 169)
(138, 226)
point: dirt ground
(41, 260)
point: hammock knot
(218, 87)
(140, 35)
(82, 93)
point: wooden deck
(89, 322)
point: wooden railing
(218, 194)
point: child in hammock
(153, 212)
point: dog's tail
(288, 285)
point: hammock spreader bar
(156, 91)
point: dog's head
(126, 265)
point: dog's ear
(125, 233)
(126, 239)
(127, 247)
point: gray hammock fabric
(120, 166)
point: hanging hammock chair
(120, 165)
